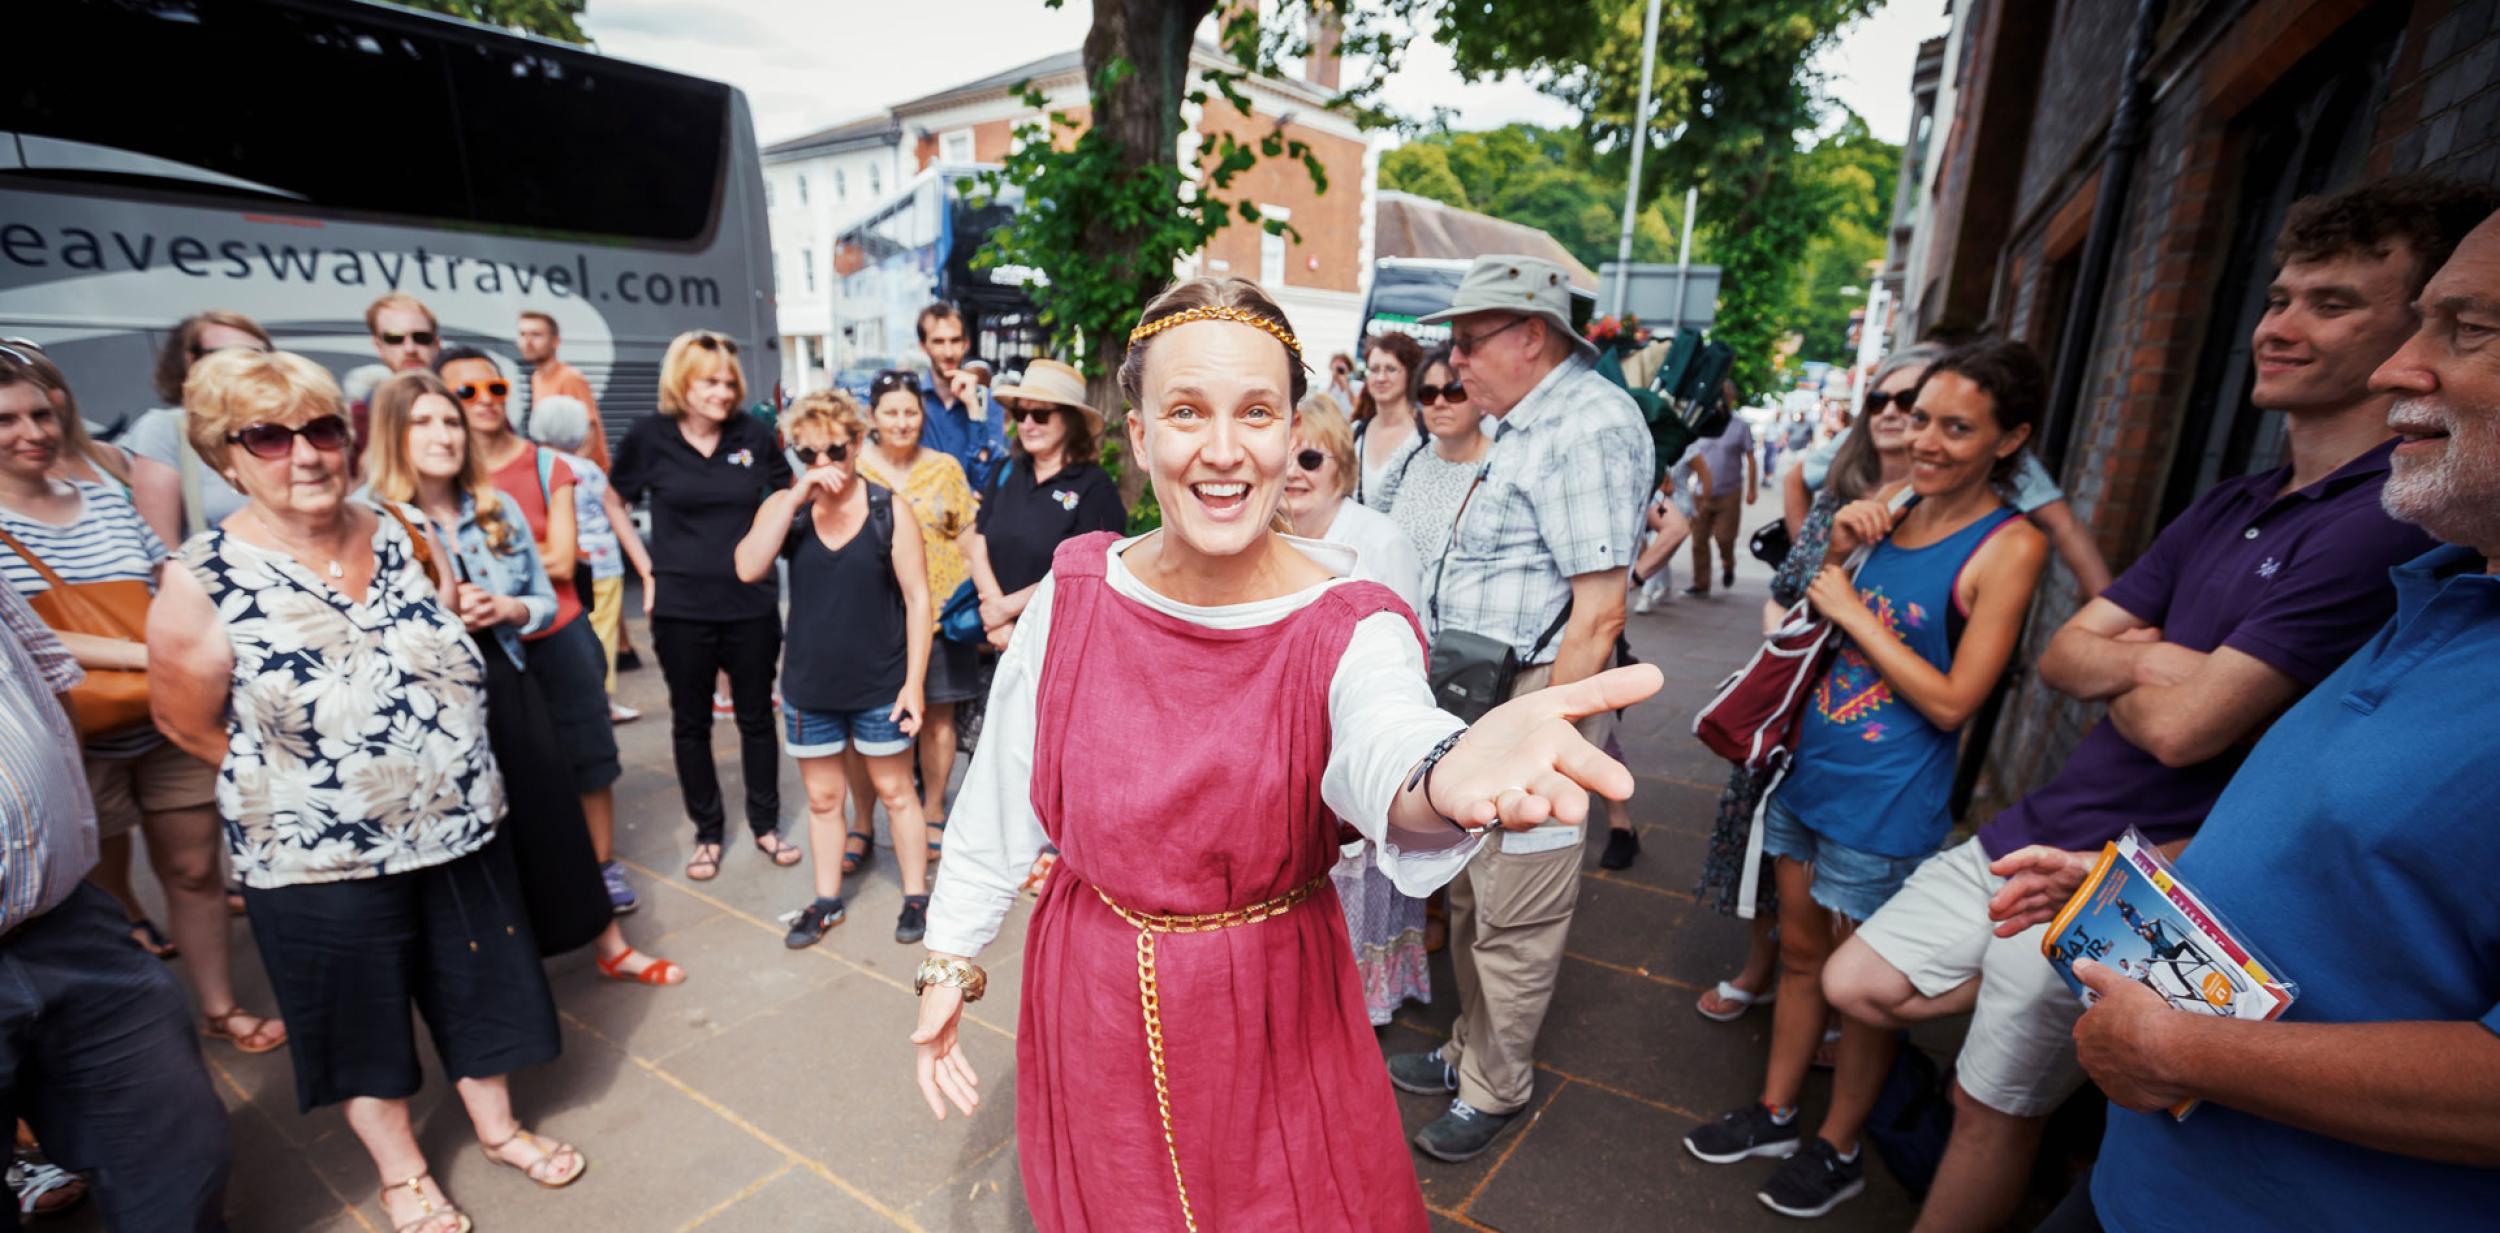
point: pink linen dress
(1177, 768)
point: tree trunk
(1141, 112)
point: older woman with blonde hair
(307, 652)
(707, 466)
(1187, 714)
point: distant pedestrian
(406, 337)
(1384, 413)
(1719, 514)
(956, 416)
(201, 495)
(1424, 490)
(538, 336)
(605, 532)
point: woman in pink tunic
(1186, 721)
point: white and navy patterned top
(106, 541)
(357, 735)
(1564, 483)
(47, 820)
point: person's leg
(408, 1186)
(1986, 1169)
(827, 786)
(599, 811)
(607, 620)
(483, 995)
(1858, 1069)
(752, 654)
(937, 765)
(686, 652)
(863, 797)
(1726, 525)
(1705, 513)
(103, 1060)
(183, 846)
(890, 774)
(1797, 1017)
(1523, 918)
(112, 874)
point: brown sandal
(783, 852)
(426, 1221)
(706, 858)
(221, 1027)
(547, 1154)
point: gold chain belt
(1150, 998)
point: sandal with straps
(853, 862)
(783, 852)
(707, 859)
(660, 971)
(428, 1220)
(937, 840)
(221, 1027)
(548, 1152)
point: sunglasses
(469, 393)
(423, 338)
(1466, 344)
(890, 380)
(199, 353)
(1426, 395)
(1030, 415)
(1310, 460)
(808, 454)
(714, 342)
(1877, 400)
(326, 433)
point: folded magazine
(2136, 917)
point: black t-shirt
(1024, 523)
(846, 649)
(700, 508)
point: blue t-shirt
(980, 445)
(2359, 848)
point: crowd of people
(345, 655)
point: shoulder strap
(50, 579)
(881, 520)
(419, 547)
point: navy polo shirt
(1023, 522)
(980, 445)
(2295, 580)
(2359, 848)
(701, 506)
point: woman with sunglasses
(706, 467)
(1053, 491)
(157, 435)
(305, 651)
(84, 533)
(1384, 418)
(933, 484)
(423, 455)
(858, 650)
(1424, 490)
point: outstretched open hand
(1524, 764)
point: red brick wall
(1330, 223)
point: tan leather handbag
(110, 699)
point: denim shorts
(1851, 881)
(821, 734)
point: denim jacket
(516, 572)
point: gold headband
(1217, 313)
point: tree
(555, 19)
(1855, 171)
(1733, 93)
(1544, 178)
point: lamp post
(1632, 191)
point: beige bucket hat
(1053, 382)
(1512, 283)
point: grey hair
(559, 421)
(1855, 471)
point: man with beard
(2359, 847)
(955, 414)
(550, 377)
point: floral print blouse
(942, 500)
(356, 729)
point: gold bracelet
(962, 974)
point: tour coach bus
(294, 159)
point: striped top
(106, 541)
(47, 820)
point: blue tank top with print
(1871, 772)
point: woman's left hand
(907, 708)
(1524, 763)
(1001, 635)
(1834, 595)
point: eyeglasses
(1466, 344)
(469, 393)
(808, 454)
(326, 433)
(1310, 460)
(714, 342)
(1426, 395)
(423, 338)
(1030, 415)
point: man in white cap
(1535, 563)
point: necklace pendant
(335, 571)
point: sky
(807, 64)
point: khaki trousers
(1509, 916)
(607, 618)
(1715, 520)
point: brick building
(2253, 103)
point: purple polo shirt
(2297, 581)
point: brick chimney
(1327, 32)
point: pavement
(773, 1091)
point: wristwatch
(963, 974)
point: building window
(807, 269)
(876, 180)
(956, 147)
(1272, 247)
(802, 190)
(841, 185)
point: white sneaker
(1641, 601)
(619, 713)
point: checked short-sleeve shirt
(1561, 496)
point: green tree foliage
(1733, 94)
(1545, 178)
(555, 19)
(1855, 172)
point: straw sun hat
(1053, 382)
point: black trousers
(749, 651)
(98, 1053)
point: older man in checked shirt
(96, 1046)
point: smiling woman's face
(1215, 430)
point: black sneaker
(1745, 1133)
(1424, 1074)
(913, 924)
(628, 661)
(1814, 1181)
(1463, 1133)
(813, 921)
(1622, 847)
(1727, 581)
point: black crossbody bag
(1470, 673)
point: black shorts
(572, 674)
(349, 959)
(954, 671)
